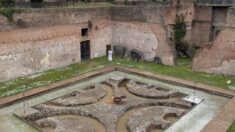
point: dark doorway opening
(85, 50)
(85, 32)
(108, 48)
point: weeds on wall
(179, 33)
(9, 13)
(7, 9)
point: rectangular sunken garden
(121, 102)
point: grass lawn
(232, 128)
(182, 70)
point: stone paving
(88, 109)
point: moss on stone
(232, 128)
(9, 13)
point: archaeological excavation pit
(117, 101)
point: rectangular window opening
(85, 32)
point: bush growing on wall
(179, 33)
(8, 13)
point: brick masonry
(48, 39)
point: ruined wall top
(216, 2)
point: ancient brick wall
(219, 16)
(42, 39)
(20, 59)
(28, 51)
(161, 15)
(50, 17)
(201, 26)
(219, 57)
(47, 38)
(145, 29)
(150, 39)
(230, 21)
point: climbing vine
(179, 33)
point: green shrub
(8, 13)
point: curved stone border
(85, 96)
(152, 116)
(150, 91)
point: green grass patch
(9, 13)
(232, 128)
(25, 83)
(182, 70)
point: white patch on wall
(45, 60)
(10, 56)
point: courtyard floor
(182, 71)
